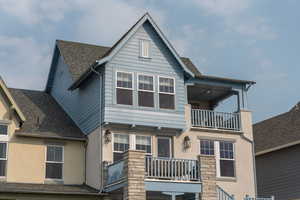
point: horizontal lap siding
(278, 173)
(82, 105)
(162, 63)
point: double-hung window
(224, 152)
(121, 144)
(145, 91)
(54, 162)
(166, 93)
(3, 129)
(143, 143)
(226, 159)
(3, 158)
(124, 88)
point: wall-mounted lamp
(107, 136)
(187, 142)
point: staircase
(223, 195)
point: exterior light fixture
(187, 142)
(107, 136)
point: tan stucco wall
(93, 172)
(241, 185)
(26, 156)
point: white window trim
(150, 142)
(218, 159)
(138, 81)
(6, 158)
(170, 142)
(173, 86)
(113, 142)
(60, 162)
(142, 49)
(116, 80)
(132, 142)
(4, 138)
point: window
(121, 144)
(207, 147)
(145, 48)
(145, 91)
(226, 159)
(124, 88)
(164, 147)
(3, 158)
(166, 93)
(54, 162)
(3, 129)
(143, 143)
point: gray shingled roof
(80, 56)
(47, 189)
(277, 131)
(44, 116)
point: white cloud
(223, 7)
(24, 63)
(104, 23)
(35, 11)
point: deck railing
(259, 198)
(216, 120)
(223, 195)
(172, 169)
(115, 172)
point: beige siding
(26, 156)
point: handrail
(172, 169)
(217, 120)
(223, 195)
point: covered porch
(215, 103)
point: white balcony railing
(216, 120)
(172, 169)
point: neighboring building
(131, 121)
(277, 146)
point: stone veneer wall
(208, 177)
(134, 170)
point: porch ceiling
(200, 92)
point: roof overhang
(122, 41)
(259, 153)
(11, 100)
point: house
(131, 121)
(277, 146)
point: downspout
(100, 127)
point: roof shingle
(277, 131)
(44, 116)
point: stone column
(207, 171)
(134, 171)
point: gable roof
(277, 132)
(14, 105)
(44, 116)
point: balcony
(216, 120)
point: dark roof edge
(277, 148)
(23, 134)
(229, 80)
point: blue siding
(83, 104)
(162, 63)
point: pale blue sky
(244, 39)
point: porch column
(134, 172)
(207, 171)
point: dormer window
(145, 49)
(166, 93)
(3, 129)
(124, 88)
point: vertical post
(272, 197)
(188, 115)
(134, 170)
(207, 171)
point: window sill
(226, 179)
(145, 58)
(54, 181)
(2, 178)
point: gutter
(23, 134)
(53, 193)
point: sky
(243, 39)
